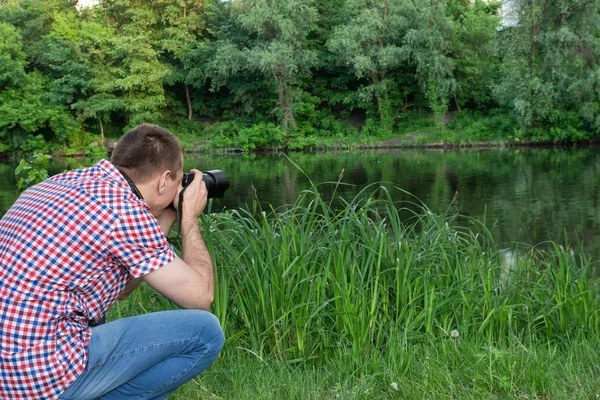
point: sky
(509, 16)
(86, 3)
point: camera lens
(215, 181)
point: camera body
(215, 181)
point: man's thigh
(124, 349)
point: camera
(215, 181)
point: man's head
(146, 151)
(153, 158)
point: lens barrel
(215, 181)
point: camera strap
(134, 188)
(180, 212)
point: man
(73, 244)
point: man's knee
(210, 334)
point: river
(525, 195)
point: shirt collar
(112, 171)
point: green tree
(12, 57)
(371, 45)
(138, 69)
(61, 56)
(428, 43)
(270, 42)
(383, 37)
(28, 113)
(30, 110)
(184, 25)
(143, 73)
(550, 75)
(103, 95)
(474, 51)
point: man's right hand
(195, 198)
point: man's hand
(195, 198)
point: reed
(323, 277)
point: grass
(328, 299)
(468, 368)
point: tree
(273, 46)
(27, 112)
(474, 51)
(428, 44)
(61, 55)
(185, 25)
(103, 95)
(139, 70)
(28, 102)
(12, 57)
(371, 45)
(550, 74)
(383, 37)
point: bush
(230, 134)
(475, 126)
(413, 121)
(31, 172)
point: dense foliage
(296, 72)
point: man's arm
(166, 219)
(189, 282)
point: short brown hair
(146, 150)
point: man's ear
(162, 182)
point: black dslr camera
(215, 181)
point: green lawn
(465, 368)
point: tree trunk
(189, 101)
(380, 101)
(285, 104)
(101, 129)
(456, 101)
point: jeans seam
(145, 395)
(144, 348)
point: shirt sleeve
(138, 244)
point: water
(530, 196)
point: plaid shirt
(68, 247)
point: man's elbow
(207, 303)
(203, 302)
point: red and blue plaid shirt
(68, 247)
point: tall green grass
(326, 277)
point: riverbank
(459, 131)
(430, 137)
(397, 143)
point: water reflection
(531, 195)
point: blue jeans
(147, 356)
